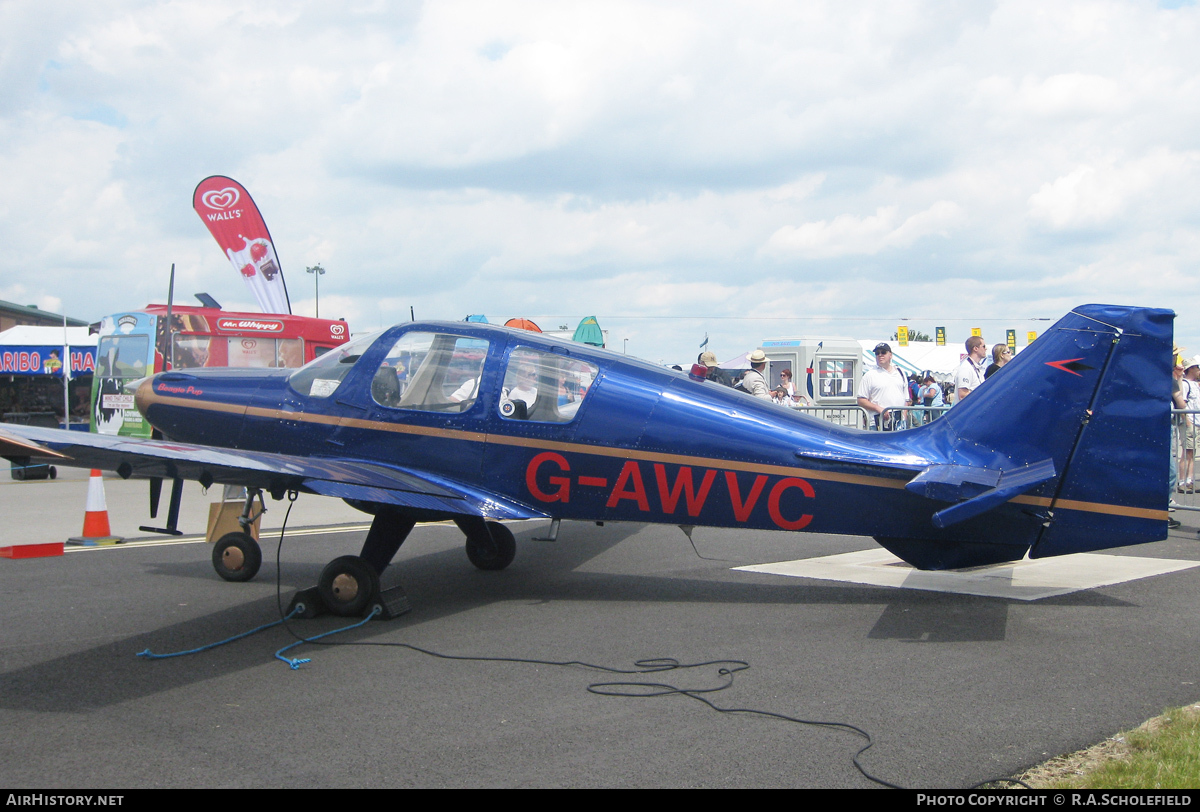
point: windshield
(319, 378)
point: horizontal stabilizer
(953, 483)
(977, 490)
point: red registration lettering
(563, 492)
(630, 474)
(741, 511)
(669, 496)
(773, 502)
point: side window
(430, 372)
(544, 387)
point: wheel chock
(392, 603)
(307, 604)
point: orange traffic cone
(95, 517)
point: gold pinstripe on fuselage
(146, 397)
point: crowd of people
(753, 381)
(892, 399)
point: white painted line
(1026, 580)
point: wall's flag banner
(231, 216)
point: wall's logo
(220, 198)
(337, 329)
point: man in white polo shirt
(885, 387)
(969, 374)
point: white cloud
(557, 159)
(1091, 196)
(847, 234)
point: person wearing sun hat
(753, 381)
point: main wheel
(348, 585)
(494, 552)
(237, 557)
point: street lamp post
(316, 271)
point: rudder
(1091, 397)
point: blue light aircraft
(1065, 450)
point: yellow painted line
(167, 541)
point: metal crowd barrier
(916, 415)
(850, 416)
(859, 418)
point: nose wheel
(236, 557)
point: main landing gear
(349, 585)
(490, 545)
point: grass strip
(1163, 753)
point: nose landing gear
(235, 556)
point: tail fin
(1092, 398)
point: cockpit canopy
(441, 372)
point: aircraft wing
(341, 478)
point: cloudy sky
(745, 170)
